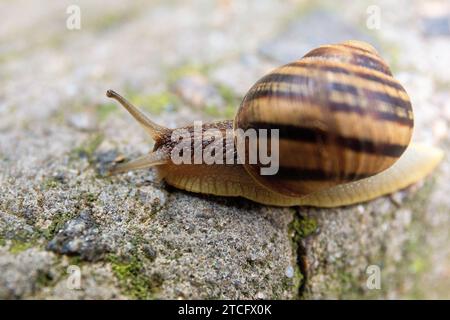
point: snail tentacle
(152, 159)
(154, 130)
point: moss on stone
(300, 228)
(416, 262)
(89, 197)
(57, 224)
(104, 110)
(87, 148)
(75, 260)
(20, 241)
(212, 110)
(44, 280)
(133, 279)
(18, 246)
(303, 227)
(413, 265)
(174, 74)
(231, 101)
(231, 104)
(293, 284)
(112, 19)
(154, 103)
(50, 183)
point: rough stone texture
(134, 237)
(23, 272)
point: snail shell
(344, 123)
(340, 113)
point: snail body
(344, 124)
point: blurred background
(185, 59)
(188, 60)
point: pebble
(82, 122)
(289, 272)
(398, 197)
(360, 209)
(260, 296)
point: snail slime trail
(209, 146)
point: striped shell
(340, 113)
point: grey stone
(132, 236)
(316, 28)
(80, 236)
(22, 272)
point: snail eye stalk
(154, 130)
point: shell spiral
(340, 113)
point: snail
(344, 125)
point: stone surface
(310, 31)
(131, 236)
(196, 90)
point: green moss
(294, 283)
(104, 110)
(413, 266)
(44, 279)
(212, 111)
(232, 101)
(112, 19)
(132, 278)
(227, 94)
(231, 104)
(93, 144)
(21, 240)
(300, 228)
(174, 74)
(418, 265)
(18, 246)
(348, 286)
(303, 227)
(5, 57)
(224, 113)
(154, 103)
(50, 184)
(60, 219)
(108, 20)
(57, 223)
(416, 261)
(229, 111)
(89, 197)
(88, 147)
(75, 260)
